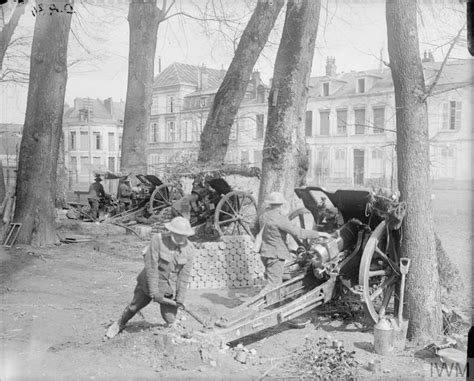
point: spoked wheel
(302, 218)
(163, 196)
(236, 214)
(379, 273)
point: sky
(352, 31)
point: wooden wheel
(379, 273)
(163, 196)
(302, 218)
(236, 214)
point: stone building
(349, 123)
(93, 137)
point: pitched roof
(179, 74)
(100, 112)
(454, 73)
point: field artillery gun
(360, 259)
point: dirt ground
(56, 303)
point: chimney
(77, 103)
(204, 77)
(427, 56)
(255, 81)
(331, 67)
(109, 105)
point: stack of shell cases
(228, 263)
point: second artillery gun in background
(360, 259)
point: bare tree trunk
(216, 132)
(61, 177)
(285, 160)
(144, 19)
(36, 181)
(2, 183)
(6, 33)
(423, 290)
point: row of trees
(285, 159)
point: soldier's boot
(119, 325)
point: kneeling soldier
(168, 253)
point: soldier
(124, 194)
(168, 253)
(96, 193)
(273, 251)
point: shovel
(400, 326)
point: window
(324, 122)
(203, 102)
(171, 132)
(154, 132)
(233, 131)
(154, 106)
(244, 157)
(308, 125)
(451, 115)
(187, 132)
(376, 163)
(73, 168)
(153, 163)
(326, 89)
(322, 162)
(111, 165)
(361, 85)
(97, 140)
(111, 136)
(120, 142)
(84, 164)
(170, 104)
(339, 162)
(379, 120)
(341, 122)
(84, 141)
(359, 121)
(72, 141)
(260, 125)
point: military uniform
(96, 193)
(274, 251)
(165, 263)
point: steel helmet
(180, 225)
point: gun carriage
(359, 260)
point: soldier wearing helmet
(275, 227)
(168, 253)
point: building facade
(10, 139)
(182, 97)
(350, 123)
(92, 139)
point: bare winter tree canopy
(423, 292)
(285, 159)
(216, 132)
(36, 184)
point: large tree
(423, 289)
(285, 159)
(144, 17)
(36, 181)
(216, 132)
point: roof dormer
(365, 81)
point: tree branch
(440, 71)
